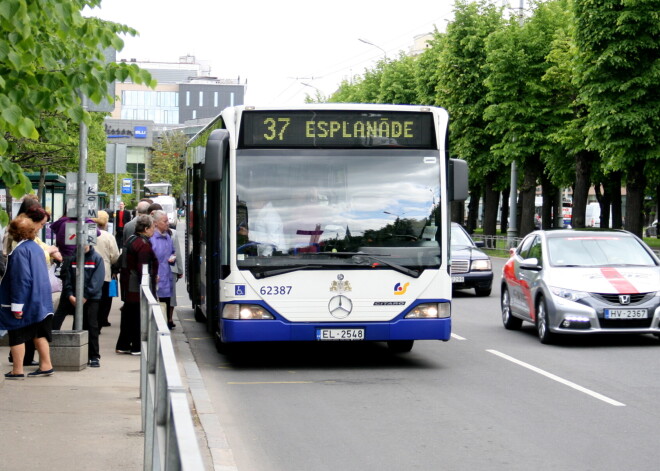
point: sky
(284, 49)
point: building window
(201, 99)
(231, 99)
(188, 98)
(194, 114)
(215, 99)
(161, 107)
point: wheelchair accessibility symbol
(239, 290)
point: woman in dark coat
(138, 252)
(26, 304)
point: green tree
(49, 55)
(167, 161)
(521, 107)
(397, 84)
(427, 72)
(617, 43)
(461, 90)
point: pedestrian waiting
(94, 276)
(26, 304)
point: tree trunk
(473, 208)
(549, 194)
(491, 202)
(613, 193)
(504, 217)
(528, 195)
(42, 183)
(581, 190)
(458, 211)
(635, 187)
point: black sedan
(470, 267)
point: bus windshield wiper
(375, 258)
(281, 271)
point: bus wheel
(199, 315)
(400, 346)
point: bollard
(68, 350)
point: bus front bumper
(283, 331)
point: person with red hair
(26, 304)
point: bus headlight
(430, 311)
(245, 311)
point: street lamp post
(374, 45)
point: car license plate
(339, 334)
(457, 279)
(626, 313)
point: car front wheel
(542, 323)
(510, 322)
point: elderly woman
(138, 253)
(106, 245)
(26, 305)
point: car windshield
(597, 250)
(317, 208)
(459, 238)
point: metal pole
(114, 202)
(512, 231)
(81, 233)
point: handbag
(55, 282)
(112, 288)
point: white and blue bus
(322, 222)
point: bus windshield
(337, 208)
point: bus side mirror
(217, 150)
(458, 180)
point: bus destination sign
(337, 129)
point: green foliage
(618, 42)
(397, 83)
(49, 55)
(167, 161)
(462, 89)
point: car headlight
(480, 265)
(569, 294)
(245, 311)
(430, 311)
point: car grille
(636, 298)
(460, 266)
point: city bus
(161, 193)
(323, 222)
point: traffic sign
(127, 186)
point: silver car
(582, 282)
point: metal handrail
(170, 441)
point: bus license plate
(457, 279)
(339, 334)
(626, 313)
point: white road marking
(558, 379)
(457, 337)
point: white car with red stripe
(582, 282)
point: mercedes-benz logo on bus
(340, 306)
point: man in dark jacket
(93, 289)
(122, 218)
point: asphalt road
(488, 399)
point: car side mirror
(530, 264)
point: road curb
(221, 454)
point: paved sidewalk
(74, 420)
